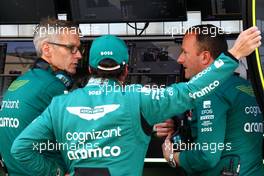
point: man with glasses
(57, 44)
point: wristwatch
(172, 162)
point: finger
(253, 43)
(256, 39)
(162, 134)
(169, 121)
(248, 34)
(163, 130)
(256, 45)
(160, 125)
(254, 34)
(170, 132)
(163, 145)
(251, 30)
(166, 125)
(168, 137)
(246, 39)
(259, 44)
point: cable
(144, 28)
(136, 28)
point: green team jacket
(26, 98)
(226, 125)
(99, 126)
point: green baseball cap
(108, 47)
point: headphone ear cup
(61, 75)
(65, 79)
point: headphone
(60, 74)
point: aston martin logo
(92, 113)
(17, 84)
(246, 89)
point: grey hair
(49, 30)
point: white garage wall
(160, 28)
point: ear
(46, 50)
(122, 78)
(126, 70)
(89, 70)
(206, 58)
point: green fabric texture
(99, 126)
(229, 122)
(26, 98)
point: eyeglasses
(72, 48)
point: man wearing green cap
(99, 127)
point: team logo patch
(92, 113)
(207, 104)
(218, 63)
(246, 89)
(17, 84)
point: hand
(167, 147)
(246, 43)
(165, 128)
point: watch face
(172, 162)
(171, 156)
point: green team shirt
(226, 125)
(26, 98)
(99, 126)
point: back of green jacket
(99, 126)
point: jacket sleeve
(31, 147)
(205, 152)
(158, 105)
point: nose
(78, 55)
(180, 59)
